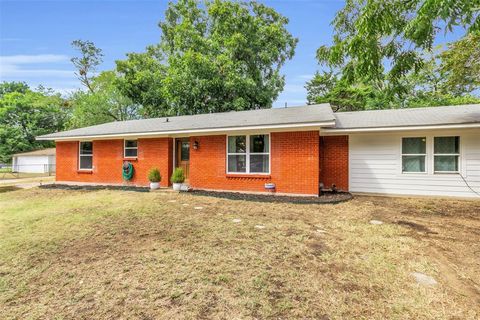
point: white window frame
(425, 155)
(80, 155)
(129, 148)
(447, 154)
(248, 153)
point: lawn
(161, 255)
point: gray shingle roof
(263, 117)
(42, 152)
(463, 114)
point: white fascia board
(301, 126)
(328, 131)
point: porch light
(195, 145)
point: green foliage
(25, 115)
(445, 78)
(461, 64)
(154, 175)
(212, 57)
(105, 103)
(373, 34)
(177, 176)
(8, 87)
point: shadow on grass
(8, 189)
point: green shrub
(154, 175)
(178, 176)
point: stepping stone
(236, 220)
(172, 200)
(321, 231)
(185, 204)
(198, 208)
(424, 280)
(376, 222)
(258, 226)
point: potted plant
(178, 177)
(155, 178)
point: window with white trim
(446, 154)
(85, 154)
(248, 154)
(130, 148)
(414, 154)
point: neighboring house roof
(411, 117)
(42, 152)
(313, 115)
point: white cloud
(31, 59)
(305, 76)
(294, 88)
(50, 70)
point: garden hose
(127, 171)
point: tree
(461, 64)
(103, 104)
(91, 57)
(378, 40)
(220, 56)
(328, 87)
(8, 87)
(25, 115)
(429, 86)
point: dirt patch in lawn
(113, 254)
(450, 232)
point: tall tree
(25, 114)
(378, 39)
(102, 101)
(461, 64)
(104, 104)
(90, 58)
(213, 56)
(429, 86)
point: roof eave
(401, 128)
(313, 125)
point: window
(248, 154)
(130, 148)
(85, 155)
(446, 154)
(185, 151)
(414, 152)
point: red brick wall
(108, 160)
(294, 164)
(334, 161)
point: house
(424, 151)
(39, 161)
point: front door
(183, 155)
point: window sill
(249, 176)
(84, 171)
(130, 159)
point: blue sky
(35, 37)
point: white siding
(376, 165)
(30, 164)
(52, 163)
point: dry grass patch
(114, 254)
